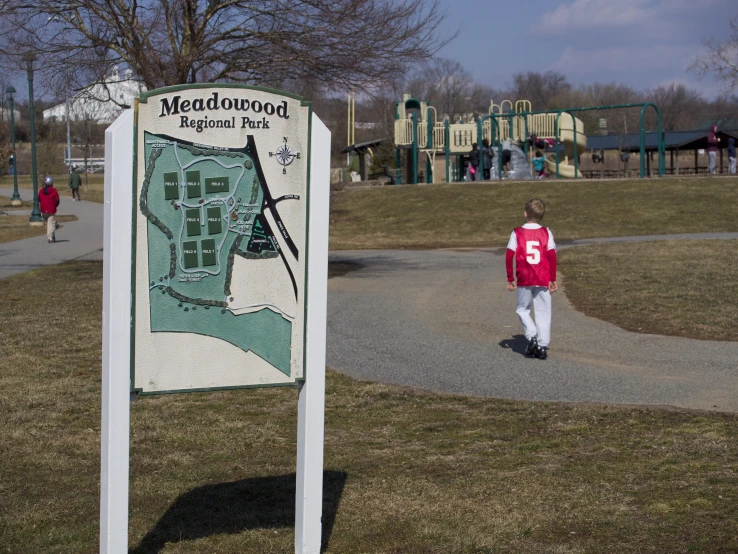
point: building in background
(101, 102)
(5, 114)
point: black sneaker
(532, 347)
(542, 352)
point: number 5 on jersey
(533, 252)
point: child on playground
(534, 250)
(539, 164)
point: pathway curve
(444, 320)
(81, 239)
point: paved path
(81, 239)
(443, 320)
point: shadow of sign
(229, 508)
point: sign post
(116, 336)
(225, 265)
(311, 403)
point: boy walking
(534, 250)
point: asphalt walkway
(443, 320)
(81, 239)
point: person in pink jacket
(48, 198)
(712, 147)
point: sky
(642, 43)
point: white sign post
(116, 336)
(215, 235)
(311, 404)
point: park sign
(221, 177)
(215, 270)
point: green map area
(204, 207)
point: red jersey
(534, 251)
(48, 200)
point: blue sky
(641, 43)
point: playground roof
(673, 140)
(363, 146)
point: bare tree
(443, 83)
(677, 104)
(87, 128)
(720, 58)
(356, 44)
(542, 89)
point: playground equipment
(418, 130)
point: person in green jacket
(74, 182)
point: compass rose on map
(285, 155)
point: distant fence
(94, 165)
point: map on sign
(205, 208)
(220, 238)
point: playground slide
(566, 136)
(566, 171)
(518, 162)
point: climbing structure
(418, 130)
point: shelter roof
(673, 140)
(364, 146)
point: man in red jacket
(533, 249)
(48, 198)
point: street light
(15, 199)
(35, 218)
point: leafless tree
(356, 44)
(677, 104)
(542, 89)
(443, 83)
(720, 58)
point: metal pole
(415, 150)
(15, 200)
(36, 211)
(447, 136)
(69, 138)
(556, 143)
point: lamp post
(35, 218)
(15, 200)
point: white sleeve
(551, 242)
(513, 242)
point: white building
(100, 102)
(5, 115)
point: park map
(205, 208)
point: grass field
(16, 227)
(683, 288)
(458, 215)
(406, 471)
(7, 206)
(95, 191)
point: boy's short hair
(535, 209)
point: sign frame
(118, 348)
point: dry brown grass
(683, 288)
(16, 227)
(7, 206)
(94, 192)
(458, 215)
(407, 472)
